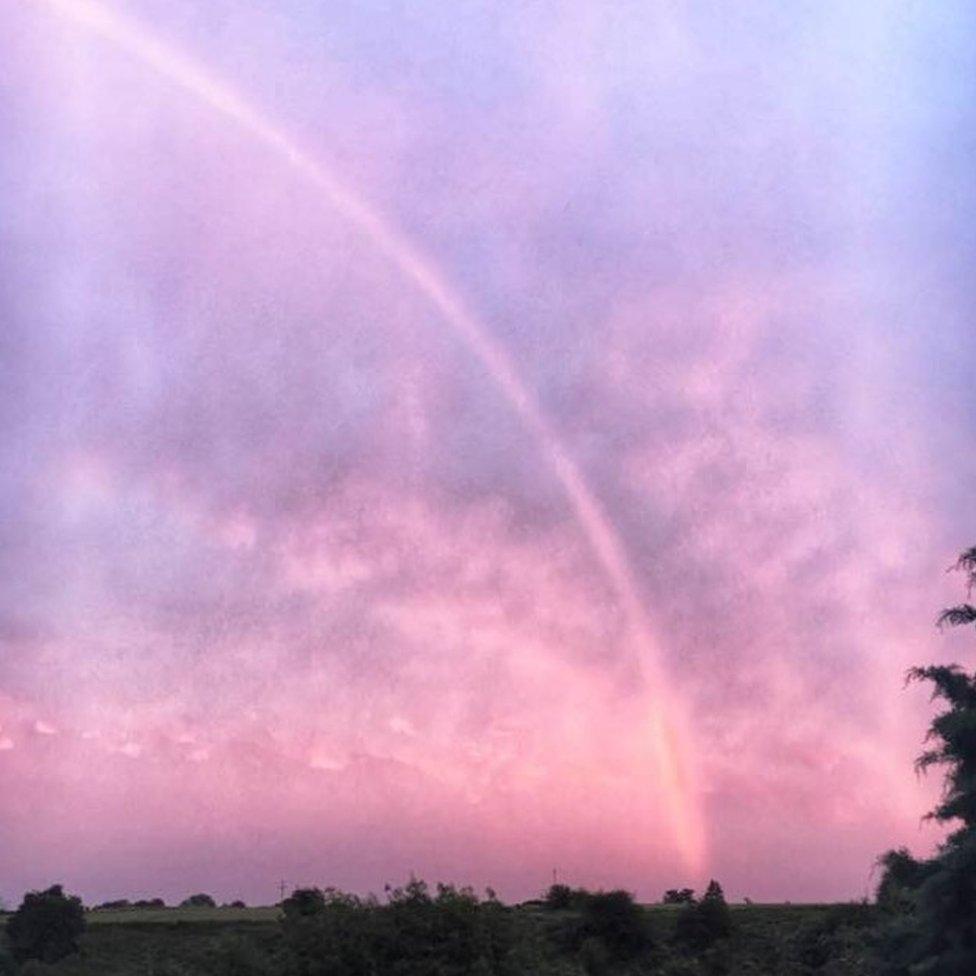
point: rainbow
(669, 727)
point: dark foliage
(901, 877)
(953, 732)
(198, 901)
(702, 924)
(149, 903)
(450, 933)
(829, 937)
(353, 935)
(559, 897)
(678, 896)
(303, 902)
(233, 954)
(8, 967)
(963, 613)
(617, 922)
(935, 901)
(47, 926)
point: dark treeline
(922, 922)
(445, 931)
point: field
(779, 940)
(220, 917)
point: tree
(113, 906)
(901, 878)
(558, 897)
(303, 902)
(450, 932)
(703, 923)
(963, 613)
(939, 935)
(678, 896)
(198, 901)
(47, 926)
(714, 912)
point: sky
(478, 440)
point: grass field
(779, 940)
(272, 913)
(177, 916)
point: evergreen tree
(939, 936)
(703, 923)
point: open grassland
(179, 916)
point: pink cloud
(292, 589)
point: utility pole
(282, 885)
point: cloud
(294, 578)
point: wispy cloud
(290, 587)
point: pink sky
(299, 585)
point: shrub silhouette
(448, 933)
(113, 906)
(198, 901)
(303, 902)
(8, 967)
(47, 926)
(834, 934)
(678, 896)
(610, 926)
(559, 897)
(149, 903)
(617, 921)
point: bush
(234, 955)
(198, 901)
(617, 921)
(679, 896)
(328, 932)
(558, 897)
(839, 941)
(46, 927)
(112, 906)
(417, 933)
(149, 903)
(561, 897)
(33, 967)
(595, 958)
(304, 901)
(8, 967)
(901, 878)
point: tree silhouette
(703, 923)
(47, 926)
(963, 613)
(939, 936)
(200, 900)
